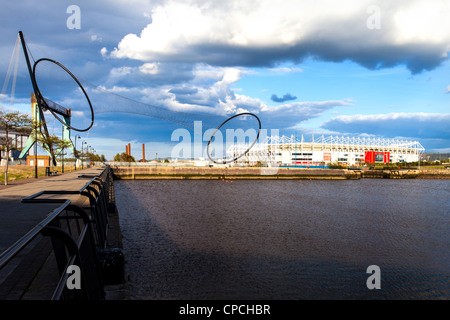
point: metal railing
(73, 243)
(99, 190)
(77, 235)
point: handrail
(98, 212)
(33, 198)
(20, 244)
(98, 202)
(63, 280)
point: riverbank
(23, 174)
(239, 173)
(406, 174)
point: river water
(212, 239)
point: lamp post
(35, 142)
(87, 157)
(82, 153)
(77, 136)
(93, 154)
(62, 160)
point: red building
(376, 157)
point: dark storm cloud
(286, 97)
(44, 25)
(416, 57)
(191, 96)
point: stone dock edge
(205, 173)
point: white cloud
(96, 38)
(420, 116)
(420, 22)
(149, 68)
(210, 91)
(305, 106)
(114, 89)
(78, 113)
(262, 32)
(22, 105)
(286, 69)
(104, 52)
(120, 72)
(176, 25)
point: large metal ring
(251, 146)
(41, 100)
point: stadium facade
(348, 151)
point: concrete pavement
(17, 218)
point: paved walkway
(17, 218)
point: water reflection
(285, 239)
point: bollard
(111, 207)
(112, 262)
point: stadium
(347, 151)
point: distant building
(331, 149)
(42, 161)
(18, 142)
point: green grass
(23, 172)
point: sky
(358, 68)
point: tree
(51, 143)
(9, 122)
(335, 165)
(62, 145)
(77, 154)
(123, 157)
(96, 157)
